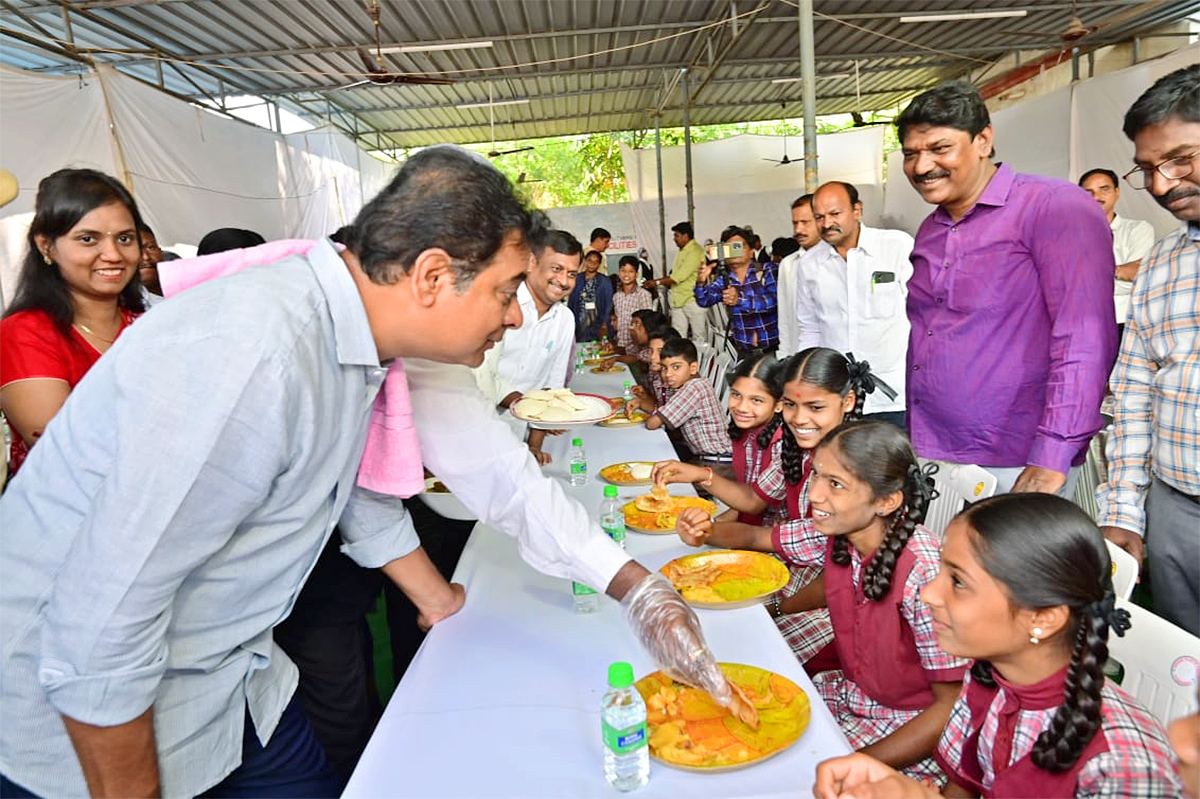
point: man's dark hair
(664, 331)
(851, 191)
(1173, 95)
(600, 233)
(745, 234)
(685, 228)
(679, 348)
(1106, 172)
(444, 197)
(560, 241)
(651, 318)
(144, 228)
(224, 239)
(783, 247)
(954, 104)
(803, 199)
(631, 260)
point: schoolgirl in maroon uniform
(757, 489)
(895, 686)
(1025, 589)
(821, 388)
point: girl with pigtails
(757, 489)
(820, 389)
(1025, 589)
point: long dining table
(503, 698)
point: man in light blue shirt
(176, 504)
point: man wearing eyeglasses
(1153, 489)
(1010, 304)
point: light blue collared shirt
(165, 522)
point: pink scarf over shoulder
(391, 462)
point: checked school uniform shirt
(695, 411)
(754, 321)
(1128, 758)
(863, 719)
(762, 470)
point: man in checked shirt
(748, 288)
(1153, 489)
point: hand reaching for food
(694, 526)
(676, 472)
(670, 632)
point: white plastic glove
(670, 632)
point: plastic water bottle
(628, 393)
(578, 464)
(578, 359)
(623, 722)
(612, 516)
(586, 598)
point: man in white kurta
(852, 292)
(804, 230)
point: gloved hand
(670, 632)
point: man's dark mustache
(1177, 193)
(831, 229)
(928, 176)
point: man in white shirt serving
(851, 294)
(1132, 238)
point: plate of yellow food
(619, 419)
(594, 361)
(607, 367)
(689, 730)
(629, 473)
(656, 513)
(726, 578)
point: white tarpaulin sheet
(725, 172)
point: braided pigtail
(918, 493)
(1078, 718)
(841, 551)
(735, 432)
(981, 672)
(791, 458)
(768, 431)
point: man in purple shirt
(1010, 303)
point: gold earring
(47, 259)
(1036, 638)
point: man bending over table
(173, 508)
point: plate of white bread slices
(557, 408)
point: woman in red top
(77, 292)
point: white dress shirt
(538, 353)
(483, 462)
(789, 326)
(853, 306)
(1132, 240)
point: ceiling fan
(785, 160)
(1076, 30)
(375, 71)
(495, 153)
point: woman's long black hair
(63, 198)
(829, 370)
(880, 455)
(1046, 552)
(765, 369)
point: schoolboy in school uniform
(693, 409)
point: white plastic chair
(957, 486)
(1093, 473)
(1161, 661)
(1124, 570)
(718, 368)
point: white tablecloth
(503, 698)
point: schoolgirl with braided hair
(894, 688)
(1025, 589)
(756, 489)
(821, 388)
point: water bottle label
(615, 531)
(578, 467)
(624, 741)
(579, 589)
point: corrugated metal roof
(577, 66)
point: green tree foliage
(587, 170)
